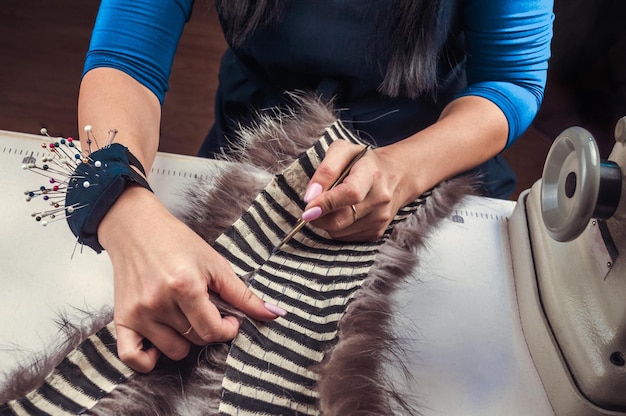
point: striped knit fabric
(85, 375)
(271, 366)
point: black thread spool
(577, 185)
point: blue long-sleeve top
(506, 44)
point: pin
(62, 158)
(110, 137)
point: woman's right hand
(162, 273)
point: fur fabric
(350, 378)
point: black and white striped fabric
(270, 366)
(86, 374)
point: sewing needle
(301, 223)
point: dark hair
(419, 29)
(416, 36)
(239, 18)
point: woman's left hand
(363, 205)
(389, 177)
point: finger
(234, 291)
(191, 335)
(176, 322)
(206, 319)
(338, 156)
(340, 225)
(370, 223)
(130, 349)
(207, 323)
(339, 222)
(352, 191)
(170, 322)
(168, 341)
(362, 230)
(164, 339)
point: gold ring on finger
(355, 216)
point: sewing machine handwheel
(577, 185)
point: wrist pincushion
(94, 187)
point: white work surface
(469, 356)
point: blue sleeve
(508, 47)
(139, 37)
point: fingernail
(277, 310)
(312, 214)
(312, 191)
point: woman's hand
(470, 131)
(163, 271)
(363, 205)
(162, 274)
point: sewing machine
(550, 259)
(568, 241)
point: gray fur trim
(74, 327)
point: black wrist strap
(94, 187)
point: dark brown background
(43, 43)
